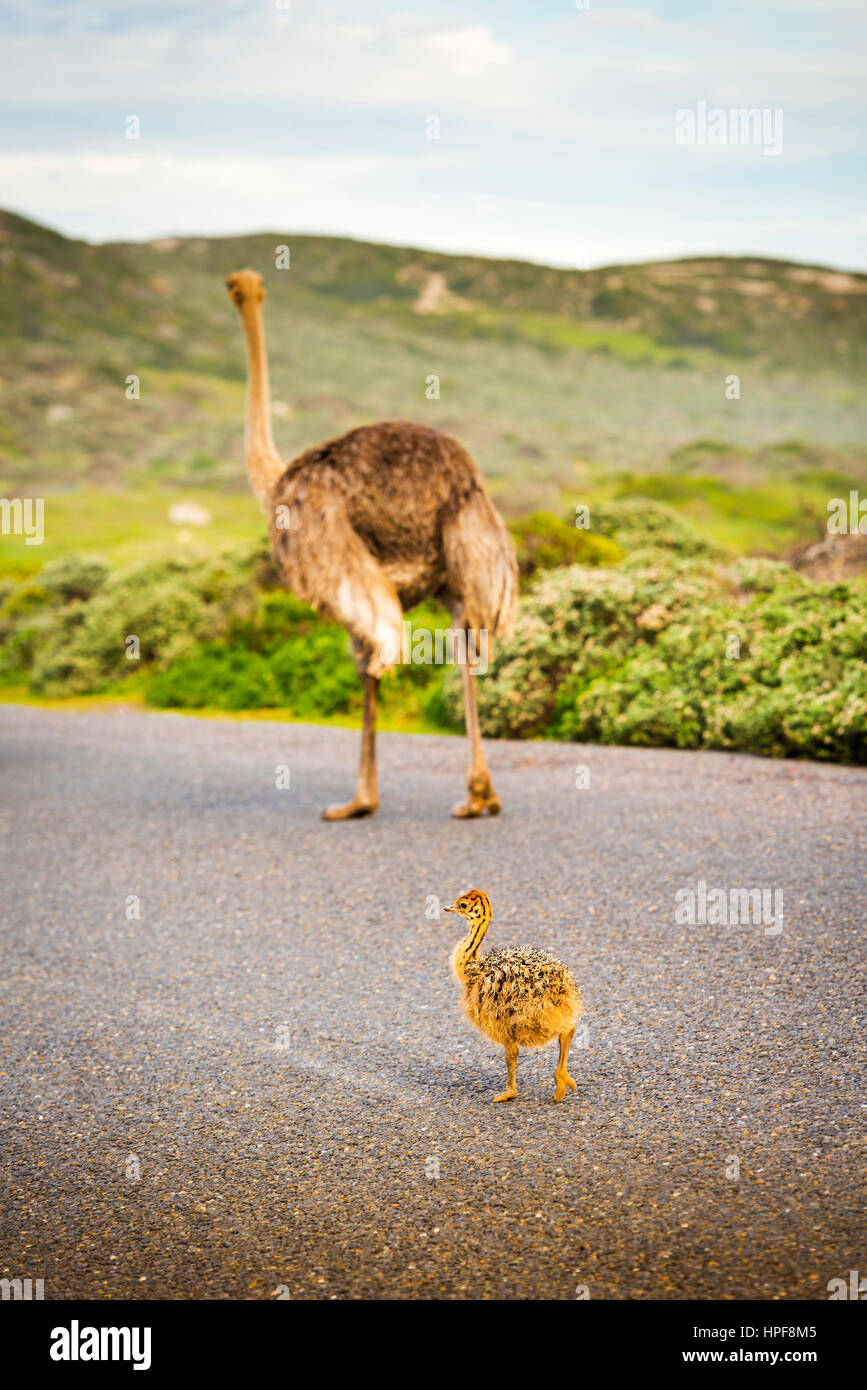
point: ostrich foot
(351, 810)
(476, 806)
(507, 1095)
(562, 1080)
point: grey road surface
(264, 1081)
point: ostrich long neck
(468, 948)
(264, 465)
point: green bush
(639, 525)
(74, 577)
(544, 542)
(284, 655)
(684, 654)
(316, 674)
(675, 645)
(25, 617)
(216, 678)
(576, 623)
(620, 303)
(171, 607)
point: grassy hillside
(566, 385)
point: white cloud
(155, 195)
(583, 86)
(135, 194)
(623, 19)
(573, 126)
(470, 50)
(257, 54)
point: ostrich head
(474, 905)
(245, 286)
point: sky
(542, 129)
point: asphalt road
(255, 1083)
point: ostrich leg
(366, 798)
(511, 1087)
(480, 789)
(562, 1078)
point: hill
(564, 384)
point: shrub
(216, 678)
(544, 542)
(171, 607)
(74, 577)
(680, 654)
(639, 525)
(676, 645)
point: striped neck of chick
(476, 907)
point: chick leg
(366, 798)
(511, 1060)
(480, 789)
(562, 1078)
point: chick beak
(449, 909)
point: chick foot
(562, 1080)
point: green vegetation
(543, 541)
(213, 634)
(680, 651)
(602, 388)
(131, 527)
(658, 638)
(566, 385)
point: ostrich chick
(516, 995)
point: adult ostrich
(378, 520)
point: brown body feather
(386, 516)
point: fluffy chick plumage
(520, 995)
(517, 996)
